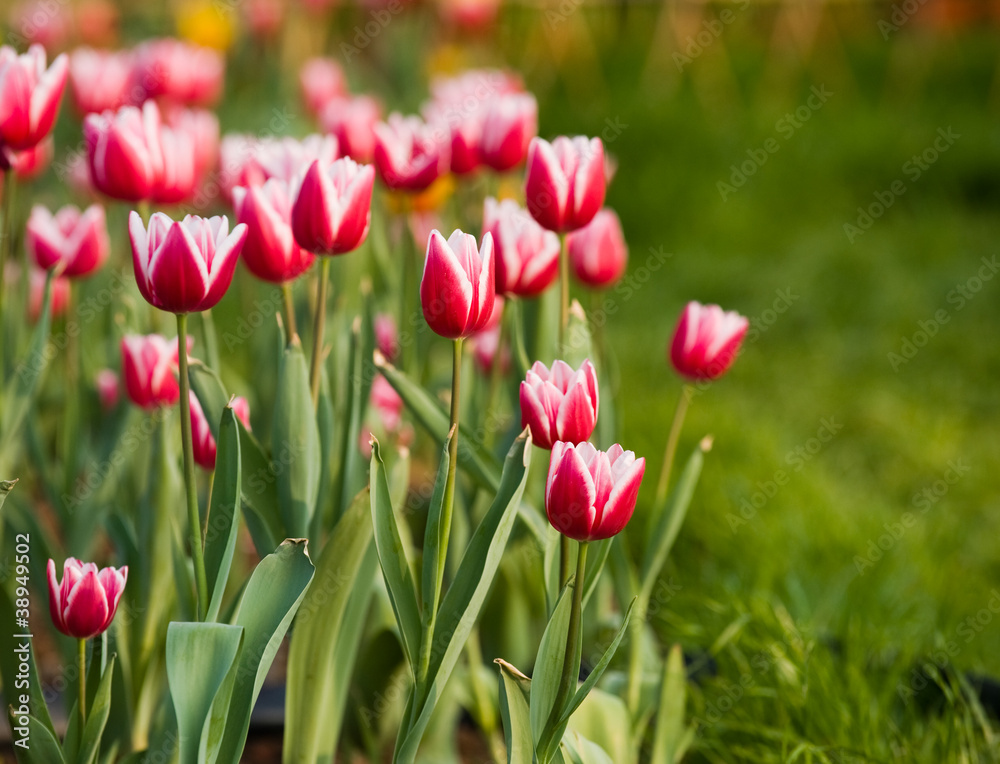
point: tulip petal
(86, 609)
(55, 600)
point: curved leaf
(223, 516)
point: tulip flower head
(560, 404)
(332, 210)
(36, 287)
(565, 183)
(99, 79)
(706, 341)
(178, 71)
(108, 389)
(76, 240)
(457, 290)
(509, 124)
(410, 154)
(590, 494)
(204, 446)
(321, 81)
(598, 253)
(29, 95)
(149, 368)
(124, 151)
(84, 603)
(527, 254)
(386, 335)
(184, 266)
(270, 251)
(352, 122)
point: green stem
(571, 669)
(668, 455)
(210, 339)
(290, 328)
(194, 518)
(635, 657)
(318, 328)
(563, 294)
(82, 658)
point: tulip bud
(565, 183)
(177, 71)
(321, 80)
(457, 288)
(706, 341)
(149, 366)
(84, 604)
(590, 495)
(409, 154)
(598, 253)
(560, 404)
(270, 251)
(36, 287)
(527, 254)
(124, 151)
(332, 211)
(99, 79)
(184, 266)
(108, 391)
(352, 122)
(386, 336)
(203, 442)
(29, 163)
(386, 401)
(29, 95)
(78, 241)
(510, 123)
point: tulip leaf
(16, 655)
(464, 599)
(392, 558)
(547, 672)
(515, 688)
(325, 640)
(223, 516)
(266, 610)
(669, 737)
(199, 661)
(40, 745)
(97, 716)
(294, 431)
(6, 486)
(579, 750)
(325, 419)
(353, 468)
(434, 551)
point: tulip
(590, 495)
(463, 123)
(78, 241)
(36, 294)
(184, 266)
(332, 211)
(565, 182)
(205, 448)
(321, 81)
(509, 125)
(352, 122)
(527, 254)
(99, 80)
(178, 177)
(486, 350)
(598, 253)
(97, 22)
(108, 391)
(410, 154)
(457, 288)
(386, 401)
(84, 604)
(29, 163)
(149, 367)
(270, 251)
(202, 127)
(561, 404)
(706, 341)
(469, 15)
(474, 86)
(178, 71)
(386, 336)
(289, 158)
(264, 17)
(45, 23)
(29, 95)
(124, 151)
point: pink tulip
(352, 122)
(78, 241)
(321, 81)
(184, 266)
(486, 350)
(386, 336)
(178, 176)
(149, 368)
(527, 254)
(36, 294)
(386, 401)
(270, 251)
(469, 15)
(29, 95)
(42, 22)
(264, 17)
(475, 86)
(332, 211)
(457, 289)
(124, 151)
(560, 404)
(289, 158)
(108, 390)
(202, 127)
(178, 71)
(84, 604)
(510, 123)
(205, 448)
(99, 80)
(463, 123)
(706, 341)
(598, 253)
(590, 495)
(565, 183)
(29, 163)
(409, 154)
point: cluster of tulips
(296, 201)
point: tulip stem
(563, 294)
(82, 662)
(320, 326)
(668, 456)
(570, 668)
(194, 518)
(290, 328)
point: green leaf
(38, 744)
(6, 486)
(578, 347)
(223, 517)
(547, 673)
(272, 596)
(464, 599)
(97, 717)
(515, 688)
(199, 659)
(353, 468)
(294, 431)
(433, 552)
(668, 737)
(12, 651)
(326, 637)
(603, 720)
(392, 558)
(579, 750)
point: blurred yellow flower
(206, 23)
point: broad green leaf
(272, 596)
(354, 469)
(548, 672)
(514, 691)
(199, 659)
(434, 551)
(6, 486)
(579, 750)
(602, 720)
(33, 741)
(97, 717)
(325, 420)
(668, 737)
(325, 639)
(392, 558)
(463, 602)
(294, 430)
(223, 517)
